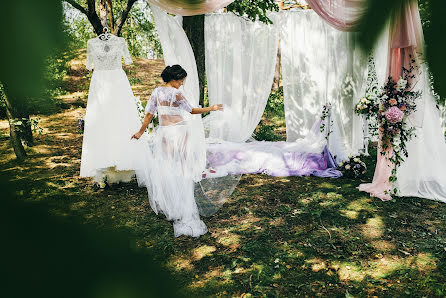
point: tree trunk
(276, 82)
(17, 131)
(103, 13)
(194, 27)
(111, 16)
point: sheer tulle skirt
(111, 118)
(169, 172)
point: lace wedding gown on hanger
(111, 116)
(175, 161)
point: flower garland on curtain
(391, 108)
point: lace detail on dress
(107, 54)
(167, 97)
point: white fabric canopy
(321, 65)
(240, 63)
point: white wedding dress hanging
(111, 116)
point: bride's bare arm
(218, 107)
(144, 125)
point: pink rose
(394, 115)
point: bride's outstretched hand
(136, 135)
(217, 107)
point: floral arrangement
(396, 103)
(354, 167)
(366, 106)
(326, 111)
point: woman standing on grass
(177, 154)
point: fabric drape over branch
(190, 8)
(343, 15)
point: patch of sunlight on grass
(331, 199)
(180, 262)
(385, 266)
(383, 245)
(78, 205)
(245, 223)
(279, 221)
(229, 240)
(207, 277)
(374, 228)
(354, 208)
(425, 262)
(317, 264)
(277, 276)
(327, 185)
(349, 271)
(202, 251)
(43, 149)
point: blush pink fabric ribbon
(405, 43)
(190, 8)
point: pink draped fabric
(344, 15)
(405, 39)
(380, 186)
(186, 8)
(405, 43)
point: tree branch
(124, 15)
(77, 6)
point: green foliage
(275, 105)
(266, 131)
(32, 29)
(76, 27)
(254, 10)
(140, 33)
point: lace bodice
(171, 105)
(107, 54)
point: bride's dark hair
(174, 72)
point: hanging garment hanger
(104, 35)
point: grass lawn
(295, 236)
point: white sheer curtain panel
(240, 63)
(321, 65)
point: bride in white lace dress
(177, 155)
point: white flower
(341, 164)
(401, 85)
(356, 159)
(347, 167)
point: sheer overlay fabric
(321, 65)
(240, 64)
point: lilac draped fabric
(259, 161)
(186, 8)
